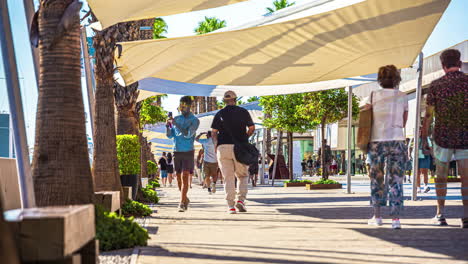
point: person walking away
(163, 169)
(334, 166)
(304, 167)
(310, 165)
(409, 161)
(170, 168)
(210, 162)
(424, 163)
(253, 173)
(199, 165)
(328, 158)
(231, 125)
(182, 129)
(447, 101)
(387, 148)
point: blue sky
(451, 30)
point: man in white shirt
(210, 162)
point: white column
(16, 108)
(417, 126)
(89, 78)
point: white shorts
(447, 155)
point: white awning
(110, 12)
(349, 41)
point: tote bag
(365, 128)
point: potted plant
(324, 184)
(128, 155)
(152, 169)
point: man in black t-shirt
(163, 168)
(232, 124)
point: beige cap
(230, 95)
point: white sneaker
(232, 210)
(181, 208)
(375, 221)
(396, 224)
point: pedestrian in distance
(424, 163)
(182, 129)
(232, 125)
(170, 168)
(447, 101)
(210, 162)
(163, 169)
(387, 148)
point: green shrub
(152, 168)
(136, 209)
(323, 181)
(128, 154)
(150, 195)
(302, 181)
(117, 232)
(153, 184)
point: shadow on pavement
(300, 200)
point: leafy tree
(210, 24)
(159, 28)
(253, 99)
(279, 4)
(327, 107)
(283, 116)
(150, 112)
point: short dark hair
(186, 99)
(388, 76)
(164, 153)
(450, 58)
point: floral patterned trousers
(391, 156)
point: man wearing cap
(182, 130)
(231, 125)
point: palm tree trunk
(60, 167)
(290, 155)
(203, 108)
(125, 101)
(323, 165)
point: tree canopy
(326, 107)
(253, 99)
(279, 4)
(283, 112)
(150, 112)
(159, 28)
(209, 24)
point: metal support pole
(275, 163)
(414, 195)
(262, 168)
(29, 11)
(350, 119)
(89, 78)
(16, 108)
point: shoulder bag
(365, 128)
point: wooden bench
(64, 234)
(109, 200)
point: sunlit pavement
(293, 225)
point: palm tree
(125, 101)
(60, 167)
(279, 4)
(253, 99)
(209, 24)
(159, 28)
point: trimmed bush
(136, 209)
(117, 232)
(128, 154)
(152, 168)
(153, 184)
(150, 195)
(323, 181)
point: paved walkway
(292, 225)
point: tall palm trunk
(60, 167)
(290, 156)
(202, 105)
(323, 165)
(125, 100)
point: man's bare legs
(183, 183)
(441, 185)
(169, 177)
(424, 172)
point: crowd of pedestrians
(388, 161)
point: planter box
(432, 180)
(323, 186)
(131, 181)
(295, 184)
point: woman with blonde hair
(387, 149)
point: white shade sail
(349, 41)
(110, 12)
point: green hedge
(117, 232)
(128, 154)
(153, 184)
(136, 209)
(152, 168)
(150, 195)
(323, 181)
(301, 181)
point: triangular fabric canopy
(110, 12)
(349, 41)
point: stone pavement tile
(292, 225)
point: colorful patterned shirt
(449, 96)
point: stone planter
(294, 184)
(131, 181)
(322, 186)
